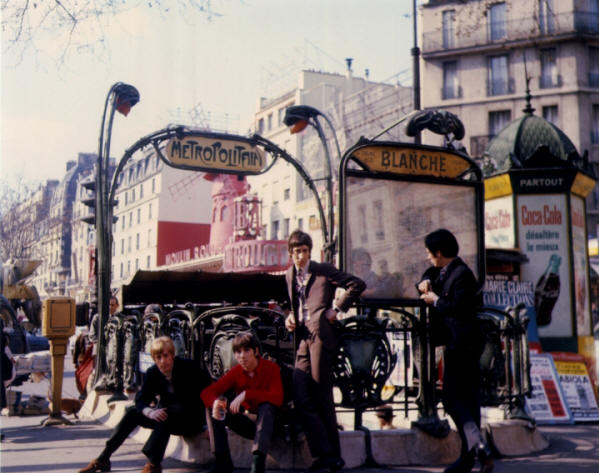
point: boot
(96, 465)
(485, 458)
(223, 463)
(258, 462)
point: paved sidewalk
(29, 447)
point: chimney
(348, 61)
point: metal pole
(416, 66)
(330, 248)
(102, 229)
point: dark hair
(444, 241)
(245, 340)
(299, 238)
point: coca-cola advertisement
(543, 237)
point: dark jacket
(188, 382)
(454, 316)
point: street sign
(215, 154)
(412, 160)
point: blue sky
(220, 67)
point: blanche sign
(215, 154)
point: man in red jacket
(258, 389)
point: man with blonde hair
(168, 403)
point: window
(141, 191)
(150, 212)
(497, 17)
(594, 67)
(275, 230)
(270, 121)
(550, 114)
(149, 238)
(132, 195)
(450, 80)
(287, 194)
(498, 121)
(286, 228)
(546, 16)
(153, 185)
(448, 32)
(498, 75)
(136, 264)
(300, 223)
(549, 77)
(126, 197)
(261, 125)
(122, 246)
(130, 219)
(128, 267)
(138, 215)
(281, 116)
(224, 214)
(148, 262)
(121, 270)
(595, 125)
(137, 242)
(128, 244)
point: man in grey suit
(311, 287)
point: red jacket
(264, 386)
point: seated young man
(168, 403)
(257, 387)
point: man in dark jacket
(311, 287)
(451, 289)
(168, 403)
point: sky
(215, 66)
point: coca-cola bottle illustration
(547, 291)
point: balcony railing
(550, 82)
(478, 32)
(451, 92)
(500, 87)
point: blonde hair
(161, 344)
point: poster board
(547, 404)
(577, 386)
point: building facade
(356, 107)
(478, 54)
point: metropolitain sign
(215, 154)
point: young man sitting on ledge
(258, 389)
(168, 403)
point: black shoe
(326, 465)
(258, 462)
(485, 458)
(222, 464)
(463, 464)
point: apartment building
(161, 213)
(356, 107)
(478, 54)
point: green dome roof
(529, 142)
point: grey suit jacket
(323, 281)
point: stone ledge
(395, 447)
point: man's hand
(290, 323)
(331, 315)
(425, 286)
(159, 415)
(429, 297)
(235, 405)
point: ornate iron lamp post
(121, 97)
(298, 117)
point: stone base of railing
(402, 446)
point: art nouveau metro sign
(215, 154)
(413, 160)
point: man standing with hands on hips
(311, 287)
(451, 290)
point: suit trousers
(461, 388)
(313, 395)
(261, 430)
(177, 423)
